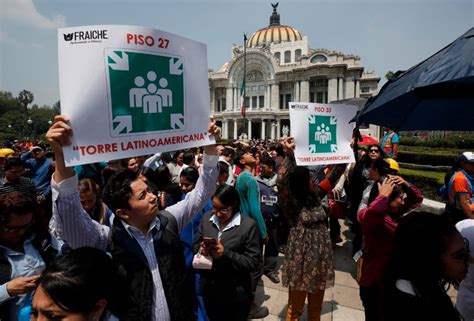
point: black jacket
(133, 263)
(229, 278)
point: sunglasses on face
(374, 151)
(16, 229)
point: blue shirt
(40, 173)
(22, 264)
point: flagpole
(244, 87)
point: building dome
(274, 33)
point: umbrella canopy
(368, 140)
(436, 94)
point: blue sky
(386, 34)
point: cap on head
(393, 164)
(466, 157)
(4, 152)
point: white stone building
(281, 67)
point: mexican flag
(242, 108)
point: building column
(262, 136)
(235, 129)
(332, 89)
(357, 88)
(349, 92)
(268, 97)
(340, 94)
(278, 131)
(272, 129)
(225, 129)
(249, 129)
(211, 95)
(275, 97)
(304, 97)
(297, 91)
(228, 99)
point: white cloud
(6, 39)
(24, 11)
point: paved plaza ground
(341, 303)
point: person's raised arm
(205, 186)
(70, 222)
(58, 136)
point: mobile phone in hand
(209, 241)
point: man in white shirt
(142, 240)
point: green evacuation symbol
(146, 92)
(322, 134)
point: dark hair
(238, 156)
(191, 174)
(381, 166)
(420, 241)
(15, 203)
(163, 176)
(229, 196)
(11, 162)
(279, 150)
(374, 192)
(228, 152)
(77, 280)
(176, 154)
(298, 181)
(117, 191)
(88, 185)
(267, 160)
(223, 167)
(124, 162)
(367, 161)
(149, 173)
(188, 158)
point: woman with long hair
(308, 266)
(429, 255)
(89, 194)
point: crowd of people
(187, 235)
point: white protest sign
(131, 91)
(322, 133)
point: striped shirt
(23, 185)
(71, 223)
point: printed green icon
(322, 134)
(146, 92)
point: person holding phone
(25, 250)
(233, 242)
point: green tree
(57, 107)
(389, 75)
(25, 97)
(8, 102)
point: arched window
(297, 54)
(319, 58)
(287, 56)
(277, 55)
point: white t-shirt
(465, 299)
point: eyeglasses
(15, 229)
(223, 210)
(374, 151)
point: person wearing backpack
(267, 181)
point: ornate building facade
(281, 67)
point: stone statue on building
(236, 51)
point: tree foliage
(14, 117)
(25, 97)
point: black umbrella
(436, 94)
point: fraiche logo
(86, 36)
(68, 37)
